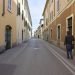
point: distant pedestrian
(38, 36)
(69, 42)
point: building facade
(7, 24)
(59, 17)
(24, 22)
(39, 32)
(41, 27)
(15, 23)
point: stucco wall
(9, 18)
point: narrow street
(36, 57)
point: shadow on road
(7, 69)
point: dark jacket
(69, 40)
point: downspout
(3, 8)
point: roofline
(45, 7)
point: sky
(36, 10)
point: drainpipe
(3, 8)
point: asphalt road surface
(35, 57)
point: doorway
(58, 37)
(22, 35)
(8, 36)
(58, 34)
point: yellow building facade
(8, 12)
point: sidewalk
(61, 52)
(15, 47)
(8, 55)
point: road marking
(58, 49)
(36, 48)
(72, 66)
(64, 63)
(68, 65)
(34, 39)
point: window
(22, 15)
(18, 9)
(9, 4)
(70, 24)
(52, 15)
(46, 21)
(51, 33)
(25, 23)
(29, 29)
(58, 5)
